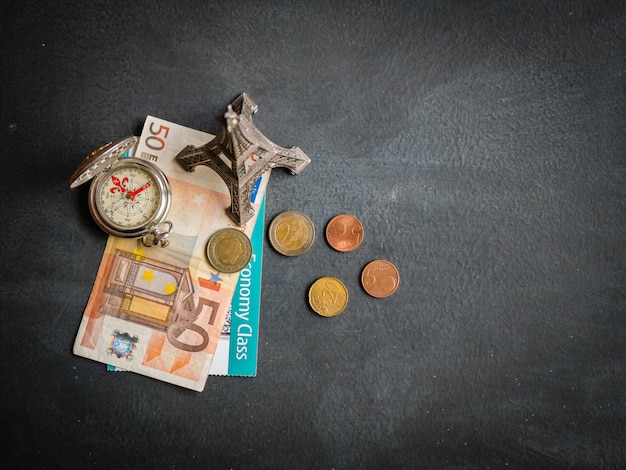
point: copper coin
(229, 250)
(344, 232)
(328, 296)
(291, 233)
(380, 278)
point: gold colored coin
(229, 250)
(291, 233)
(380, 278)
(328, 296)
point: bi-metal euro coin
(328, 296)
(291, 233)
(229, 250)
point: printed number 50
(154, 142)
(187, 323)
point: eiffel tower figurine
(240, 154)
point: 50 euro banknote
(237, 349)
(157, 311)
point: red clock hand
(138, 190)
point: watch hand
(137, 191)
(116, 204)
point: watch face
(128, 198)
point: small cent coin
(291, 233)
(328, 296)
(229, 250)
(344, 232)
(380, 278)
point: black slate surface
(482, 144)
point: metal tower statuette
(240, 154)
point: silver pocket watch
(128, 197)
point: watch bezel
(145, 228)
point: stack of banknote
(166, 312)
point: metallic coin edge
(221, 266)
(277, 246)
(394, 268)
(339, 249)
(344, 287)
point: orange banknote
(160, 311)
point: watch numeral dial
(128, 197)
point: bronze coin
(291, 233)
(344, 232)
(328, 296)
(229, 250)
(380, 278)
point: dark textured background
(481, 143)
